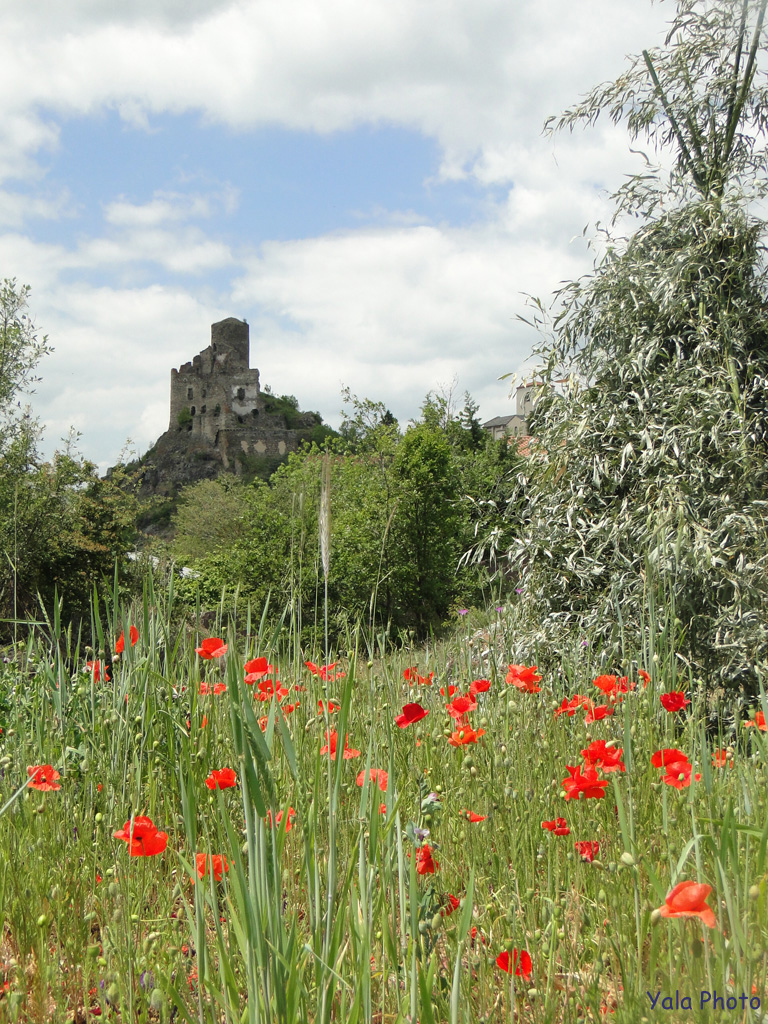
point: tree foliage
(61, 525)
(400, 520)
(20, 347)
(649, 481)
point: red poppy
(215, 862)
(721, 758)
(570, 707)
(452, 903)
(377, 775)
(203, 723)
(589, 784)
(291, 814)
(688, 899)
(332, 740)
(142, 837)
(211, 647)
(605, 683)
(479, 686)
(133, 633)
(510, 963)
(256, 669)
(613, 687)
(411, 713)
(598, 712)
(602, 756)
(288, 709)
(43, 777)
(759, 722)
(206, 688)
(461, 706)
(269, 688)
(472, 817)
(95, 667)
(558, 827)
(412, 676)
(679, 774)
(587, 850)
(332, 706)
(674, 701)
(644, 676)
(264, 722)
(450, 693)
(221, 778)
(325, 672)
(524, 677)
(424, 863)
(463, 735)
(666, 756)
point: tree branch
(673, 120)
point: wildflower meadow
(218, 826)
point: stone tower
(217, 390)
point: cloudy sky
(365, 181)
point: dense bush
(399, 523)
(650, 476)
(61, 526)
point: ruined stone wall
(224, 401)
(217, 386)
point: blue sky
(286, 184)
(366, 182)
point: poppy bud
(627, 859)
(656, 915)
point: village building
(515, 424)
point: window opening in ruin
(240, 394)
(254, 413)
(217, 410)
(202, 408)
(239, 419)
(192, 410)
(190, 393)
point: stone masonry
(220, 420)
(222, 396)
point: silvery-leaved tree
(649, 483)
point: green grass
(330, 921)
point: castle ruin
(220, 420)
(217, 397)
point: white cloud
(472, 75)
(18, 208)
(391, 311)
